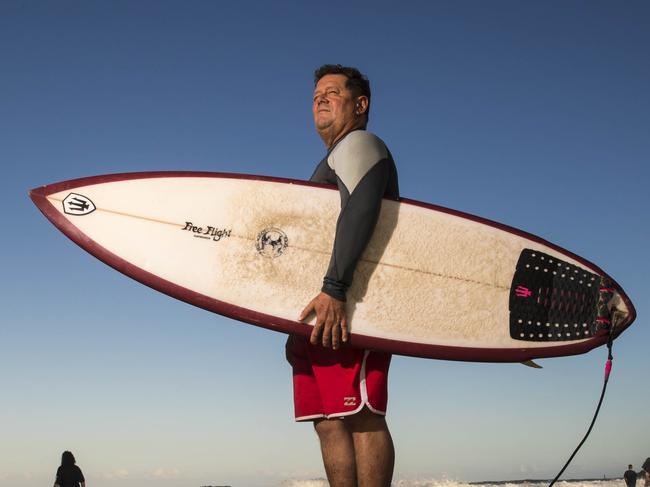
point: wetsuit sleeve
(80, 475)
(361, 165)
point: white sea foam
(452, 483)
(305, 483)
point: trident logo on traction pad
(552, 300)
(523, 292)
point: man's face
(334, 107)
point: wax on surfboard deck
(433, 282)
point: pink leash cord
(608, 368)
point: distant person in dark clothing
(630, 476)
(68, 474)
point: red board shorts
(335, 383)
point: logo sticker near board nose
(271, 242)
(78, 204)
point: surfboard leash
(603, 318)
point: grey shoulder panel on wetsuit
(364, 172)
(355, 155)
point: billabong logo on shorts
(349, 401)
(271, 242)
(77, 204)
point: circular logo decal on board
(271, 242)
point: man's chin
(323, 124)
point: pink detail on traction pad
(523, 292)
(552, 300)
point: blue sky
(534, 114)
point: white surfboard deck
(432, 282)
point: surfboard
(433, 282)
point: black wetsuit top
(362, 167)
(630, 478)
(69, 476)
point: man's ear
(361, 105)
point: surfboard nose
(38, 196)
(38, 191)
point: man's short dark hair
(357, 83)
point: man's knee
(329, 428)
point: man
(343, 390)
(630, 476)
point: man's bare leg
(373, 448)
(338, 452)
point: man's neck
(331, 139)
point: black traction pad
(552, 300)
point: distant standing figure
(630, 476)
(69, 474)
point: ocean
(451, 483)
